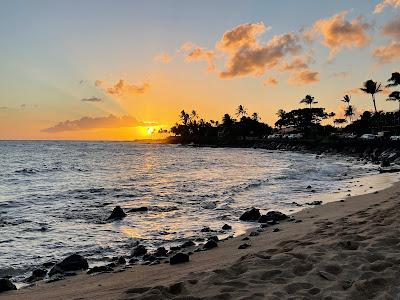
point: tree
(302, 119)
(194, 115)
(346, 99)
(339, 121)
(394, 80)
(255, 116)
(349, 112)
(308, 100)
(394, 96)
(184, 117)
(241, 111)
(372, 87)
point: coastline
(339, 249)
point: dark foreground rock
(210, 245)
(37, 274)
(74, 262)
(101, 269)
(188, 244)
(274, 216)
(139, 209)
(117, 214)
(161, 252)
(251, 215)
(179, 258)
(226, 227)
(139, 250)
(6, 285)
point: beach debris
(188, 244)
(226, 227)
(139, 250)
(100, 269)
(74, 262)
(210, 244)
(316, 202)
(161, 252)
(117, 214)
(274, 216)
(138, 209)
(6, 285)
(251, 215)
(244, 246)
(179, 258)
(37, 274)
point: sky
(121, 70)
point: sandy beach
(342, 250)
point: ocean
(55, 196)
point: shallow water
(55, 197)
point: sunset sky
(113, 69)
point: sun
(150, 130)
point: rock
(226, 227)
(161, 252)
(117, 214)
(138, 209)
(385, 163)
(206, 229)
(316, 202)
(244, 246)
(174, 248)
(121, 260)
(149, 257)
(6, 285)
(213, 238)
(179, 258)
(251, 215)
(245, 239)
(133, 260)
(274, 216)
(264, 225)
(298, 221)
(254, 233)
(210, 244)
(74, 262)
(188, 244)
(101, 269)
(139, 250)
(309, 187)
(37, 274)
(276, 230)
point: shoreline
(133, 283)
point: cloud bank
(123, 88)
(381, 6)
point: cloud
(381, 6)
(340, 74)
(355, 90)
(392, 29)
(387, 53)
(338, 33)
(87, 123)
(196, 53)
(303, 77)
(92, 99)
(3, 107)
(272, 81)
(123, 88)
(164, 58)
(296, 64)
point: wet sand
(340, 250)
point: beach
(341, 250)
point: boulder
(138, 209)
(206, 229)
(37, 274)
(74, 262)
(179, 258)
(101, 269)
(244, 246)
(226, 227)
(273, 216)
(210, 244)
(213, 238)
(188, 244)
(117, 214)
(161, 252)
(250, 215)
(139, 250)
(149, 257)
(6, 285)
(121, 260)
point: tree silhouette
(349, 112)
(346, 99)
(372, 87)
(394, 96)
(394, 80)
(241, 111)
(255, 116)
(339, 121)
(308, 100)
(184, 117)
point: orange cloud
(338, 33)
(303, 77)
(381, 6)
(270, 81)
(87, 123)
(123, 88)
(340, 74)
(387, 53)
(392, 29)
(164, 58)
(296, 64)
(196, 53)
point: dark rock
(272, 216)
(226, 227)
(111, 265)
(54, 278)
(74, 262)
(149, 257)
(385, 163)
(138, 209)
(254, 233)
(139, 250)
(245, 239)
(206, 229)
(174, 248)
(316, 202)
(276, 230)
(6, 285)
(264, 225)
(161, 252)
(101, 269)
(210, 244)
(213, 238)
(133, 260)
(37, 274)
(179, 258)
(298, 221)
(244, 246)
(309, 187)
(121, 260)
(188, 244)
(117, 214)
(251, 215)
(48, 264)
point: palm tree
(394, 96)
(308, 100)
(394, 80)
(255, 116)
(372, 87)
(194, 115)
(339, 121)
(346, 99)
(241, 111)
(349, 112)
(184, 117)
